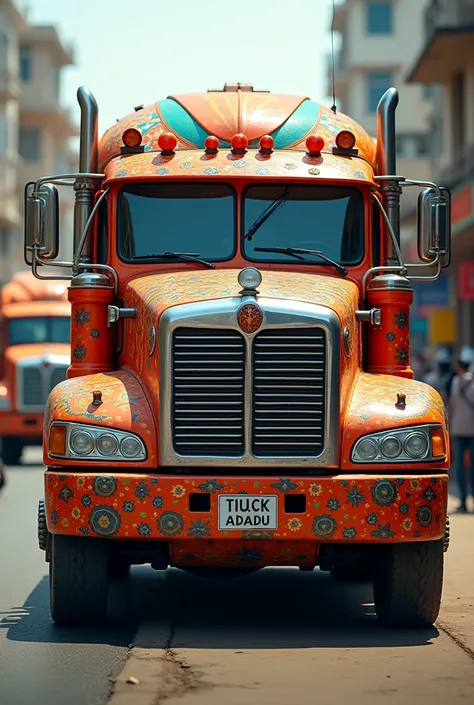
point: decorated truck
(34, 357)
(240, 392)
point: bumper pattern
(343, 508)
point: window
(186, 217)
(379, 17)
(39, 329)
(411, 146)
(3, 134)
(29, 143)
(377, 83)
(328, 219)
(26, 64)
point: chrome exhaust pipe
(386, 159)
(85, 188)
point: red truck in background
(34, 357)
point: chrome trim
(222, 315)
(95, 432)
(55, 363)
(401, 434)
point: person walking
(461, 426)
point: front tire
(2, 477)
(11, 450)
(408, 583)
(78, 580)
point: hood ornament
(249, 279)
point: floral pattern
(79, 352)
(170, 524)
(285, 485)
(384, 492)
(81, 316)
(199, 529)
(105, 521)
(104, 486)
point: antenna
(333, 107)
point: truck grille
(208, 392)
(288, 399)
(288, 392)
(37, 382)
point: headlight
(401, 445)
(81, 441)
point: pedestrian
(441, 376)
(461, 426)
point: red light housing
(132, 137)
(314, 144)
(211, 144)
(266, 144)
(345, 139)
(239, 143)
(167, 142)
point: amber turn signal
(57, 440)
(438, 445)
(132, 137)
(345, 140)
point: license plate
(237, 512)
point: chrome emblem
(249, 318)
(151, 340)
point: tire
(78, 580)
(11, 450)
(2, 477)
(43, 534)
(446, 536)
(408, 583)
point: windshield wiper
(188, 256)
(269, 210)
(297, 251)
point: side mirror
(41, 222)
(434, 226)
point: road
(279, 637)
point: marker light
(314, 144)
(345, 140)
(57, 440)
(239, 143)
(266, 144)
(249, 278)
(167, 142)
(132, 137)
(437, 443)
(211, 144)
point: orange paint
(388, 345)
(92, 338)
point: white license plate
(247, 511)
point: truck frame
(240, 393)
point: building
(446, 56)
(35, 131)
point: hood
(153, 294)
(48, 352)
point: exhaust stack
(88, 163)
(387, 166)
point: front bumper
(336, 509)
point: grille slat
(208, 404)
(296, 360)
(37, 383)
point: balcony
(449, 29)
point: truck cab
(240, 392)
(34, 357)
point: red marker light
(211, 144)
(167, 142)
(132, 137)
(239, 143)
(266, 144)
(314, 144)
(345, 140)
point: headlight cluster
(75, 441)
(404, 445)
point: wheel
(11, 450)
(356, 573)
(408, 583)
(119, 568)
(446, 536)
(2, 477)
(78, 580)
(43, 533)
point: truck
(240, 392)
(34, 357)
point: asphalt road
(274, 638)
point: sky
(128, 53)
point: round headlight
(82, 442)
(416, 445)
(130, 447)
(367, 449)
(249, 278)
(391, 447)
(107, 444)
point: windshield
(174, 217)
(39, 329)
(328, 219)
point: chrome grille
(32, 387)
(289, 373)
(58, 375)
(208, 392)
